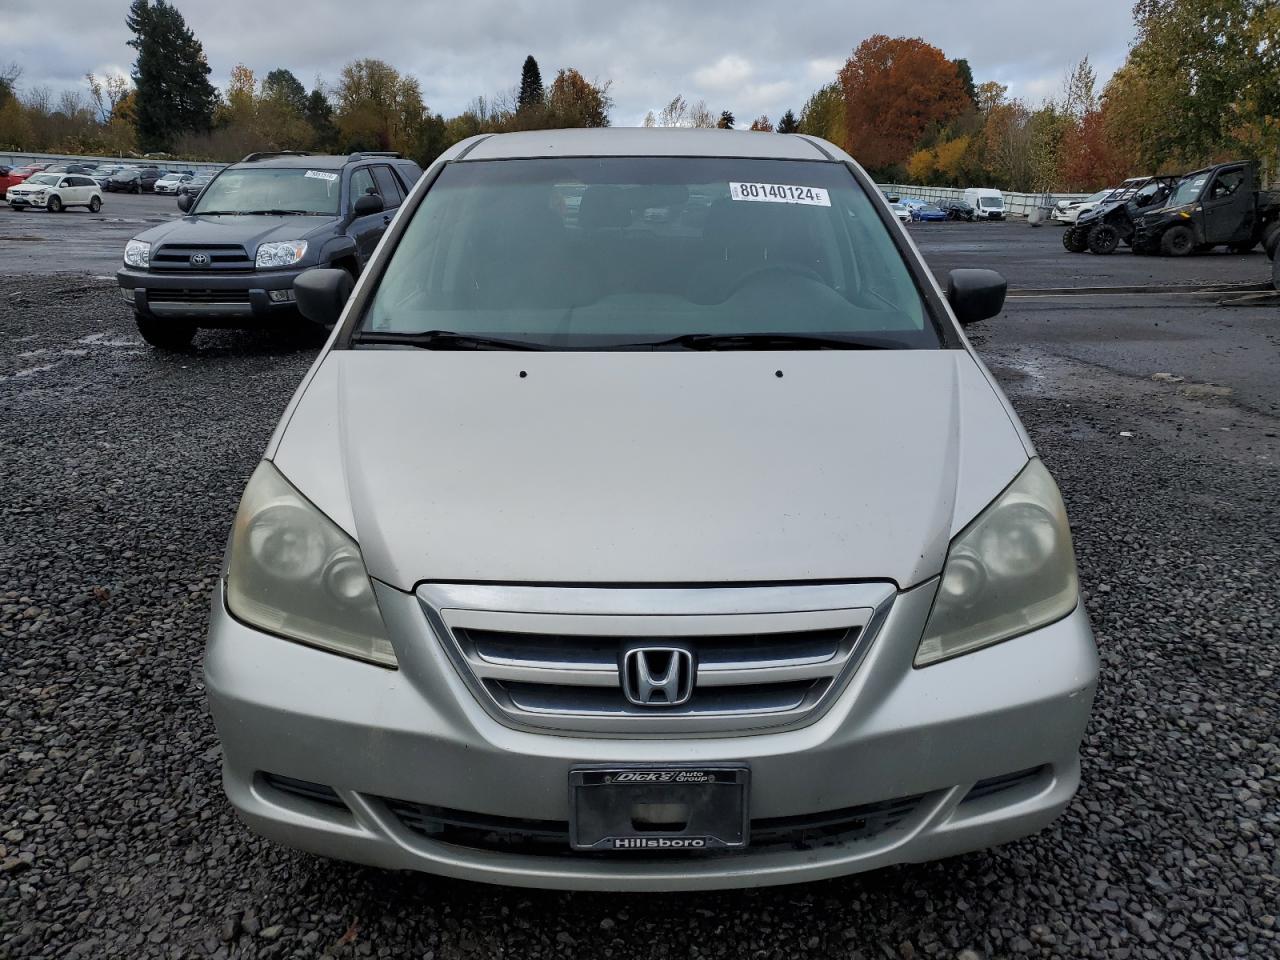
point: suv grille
(552, 658)
(197, 296)
(222, 257)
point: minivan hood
(250, 231)
(655, 467)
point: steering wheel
(791, 269)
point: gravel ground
(124, 468)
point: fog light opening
(281, 296)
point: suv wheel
(55, 204)
(1271, 239)
(1073, 239)
(165, 334)
(95, 204)
(1177, 241)
(1103, 239)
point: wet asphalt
(1157, 413)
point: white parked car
(170, 182)
(1069, 211)
(902, 212)
(55, 192)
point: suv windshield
(270, 189)
(45, 178)
(594, 253)
(1189, 189)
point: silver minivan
(648, 523)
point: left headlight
(1010, 571)
(294, 572)
(137, 253)
(283, 253)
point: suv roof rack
(362, 154)
(275, 153)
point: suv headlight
(1010, 571)
(284, 253)
(295, 573)
(137, 253)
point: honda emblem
(658, 676)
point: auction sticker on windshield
(321, 175)
(780, 193)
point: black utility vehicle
(132, 180)
(1110, 223)
(957, 209)
(1217, 206)
(231, 261)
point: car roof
(646, 141)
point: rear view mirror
(322, 293)
(184, 201)
(367, 204)
(975, 294)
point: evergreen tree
(283, 87)
(319, 114)
(170, 73)
(531, 92)
(726, 120)
(788, 123)
(966, 78)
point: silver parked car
(624, 550)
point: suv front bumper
(933, 740)
(208, 298)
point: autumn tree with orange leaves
(894, 88)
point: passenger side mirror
(975, 294)
(367, 204)
(322, 293)
(184, 201)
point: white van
(988, 204)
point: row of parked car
(978, 204)
(56, 186)
(1222, 205)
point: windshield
(291, 189)
(1189, 188)
(995, 203)
(124, 175)
(593, 253)
(45, 178)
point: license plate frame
(603, 799)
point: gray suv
(231, 260)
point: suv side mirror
(368, 203)
(975, 294)
(322, 293)
(184, 201)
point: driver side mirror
(184, 201)
(368, 203)
(975, 294)
(321, 294)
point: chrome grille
(549, 658)
(222, 257)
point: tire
(1103, 239)
(172, 335)
(54, 205)
(1178, 241)
(1074, 240)
(1271, 239)
(95, 204)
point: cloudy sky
(747, 56)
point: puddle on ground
(50, 352)
(103, 340)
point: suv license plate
(651, 809)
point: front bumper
(208, 297)
(418, 734)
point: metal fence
(18, 159)
(1015, 204)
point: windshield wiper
(764, 341)
(276, 213)
(443, 340)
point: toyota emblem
(199, 259)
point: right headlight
(137, 253)
(295, 573)
(1010, 571)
